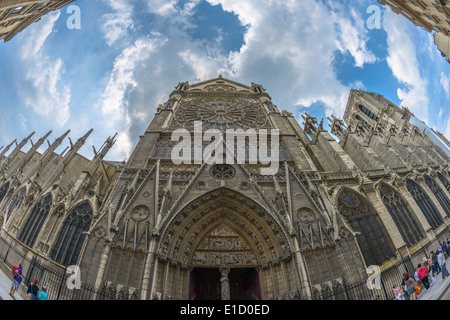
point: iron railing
(55, 279)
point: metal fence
(55, 279)
(388, 278)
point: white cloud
(22, 121)
(402, 59)
(445, 81)
(115, 104)
(118, 23)
(162, 7)
(352, 38)
(289, 47)
(447, 130)
(40, 88)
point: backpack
(14, 270)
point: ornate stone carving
(220, 88)
(223, 247)
(140, 213)
(220, 113)
(222, 172)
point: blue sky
(128, 56)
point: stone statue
(225, 283)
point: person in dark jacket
(33, 289)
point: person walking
(422, 274)
(43, 293)
(33, 289)
(430, 272)
(435, 263)
(442, 264)
(17, 279)
(445, 248)
(410, 286)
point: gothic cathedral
(151, 228)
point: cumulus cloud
(118, 23)
(447, 130)
(403, 61)
(289, 47)
(115, 104)
(445, 81)
(41, 89)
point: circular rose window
(225, 113)
(222, 172)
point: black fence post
(30, 271)
(60, 286)
(384, 288)
(7, 252)
(345, 289)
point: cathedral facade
(154, 228)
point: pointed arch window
(3, 191)
(444, 181)
(366, 124)
(405, 221)
(368, 113)
(72, 235)
(35, 222)
(16, 201)
(374, 240)
(439, 193)
(425, 204)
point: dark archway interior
(205, 284)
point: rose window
(221, 114)
(222, 172)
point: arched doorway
(224, 237)
(206, 284)
(224, 268)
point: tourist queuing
(425, 274)
(34, 292)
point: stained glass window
(36, 221)
(439, 193)
(425, 204)
(405, 221)
(16, 201)
(72, 235)
(374, 241)
(3, 191)
(368, 113)
(444, 181)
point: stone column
(102, 267)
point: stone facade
(16, 15)
(151, 229)
(432, 15)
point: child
(398, 292)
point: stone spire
(16, 151)
(32, 151)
